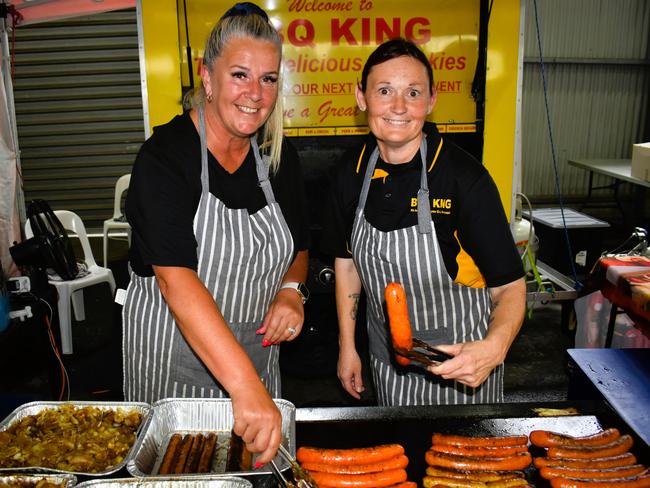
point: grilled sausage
(518, 461)
(633, 482)
(484, 476)
(489, 451)
(432, 481)
(398, 320)
(392, 463)
(195, 452)
(465, 441)
(166, 464)
(591, 473)
(507, 483)
(183, 452)
(369, 480)
(205, 460)
(360, 455)
(405, 484)
(624, 459)
(618, 446)
(545, 438)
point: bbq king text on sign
(326, 43)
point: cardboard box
(641, 161)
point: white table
(619, 169)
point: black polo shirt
(165, 190)
(471, 226)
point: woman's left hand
(472, 362)
(284, 319)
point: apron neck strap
(424, 206)
(261, 163)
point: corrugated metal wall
(597, 71)
(78, 109)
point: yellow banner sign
(326, 44)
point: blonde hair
(238, 27)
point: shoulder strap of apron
(205, 181)
(262, 164)
(424, 206)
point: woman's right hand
(349, 372)
(257, 420)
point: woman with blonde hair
(220, 236)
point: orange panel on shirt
(468, 273)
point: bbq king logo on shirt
(438, 205)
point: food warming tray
(34, 408)
(171, 482)
(412, 427)
(193, 415)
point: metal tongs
(432, 356)
(301, 477)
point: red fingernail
(259, 331)
(258, 465)
(266, 343)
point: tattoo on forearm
(355, 305)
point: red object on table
(625, 281)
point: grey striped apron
(242, 259)
(441, 311)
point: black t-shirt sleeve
(160, 209)
(484, 233)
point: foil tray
(63, 480)
(171, 482)
(194, 415)
(34, 408)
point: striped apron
(441, 311)
(242, 259)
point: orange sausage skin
(360, 455)
(369, 480)
(546, 438)
(618, 446)
(398, 320)
(596, 463)
(396, 462)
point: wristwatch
(302, 290)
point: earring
(209, 98)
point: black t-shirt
(472, 230)
(165, 190)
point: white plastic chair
(113, 223)
(72, 290)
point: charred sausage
(546, 438)
(618, 446)
(484, 476)
(490, 451)
(592, 473)
(183, 452)
(205, 460)
(464, 441)
(398, 320)
(624, 459)
(195, 453)
(361, 455)
(515, 462)
(633, 482)
(166, 464)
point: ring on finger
(291, 330)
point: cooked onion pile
(68, 438)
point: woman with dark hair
(217, 208)
(411, 207)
